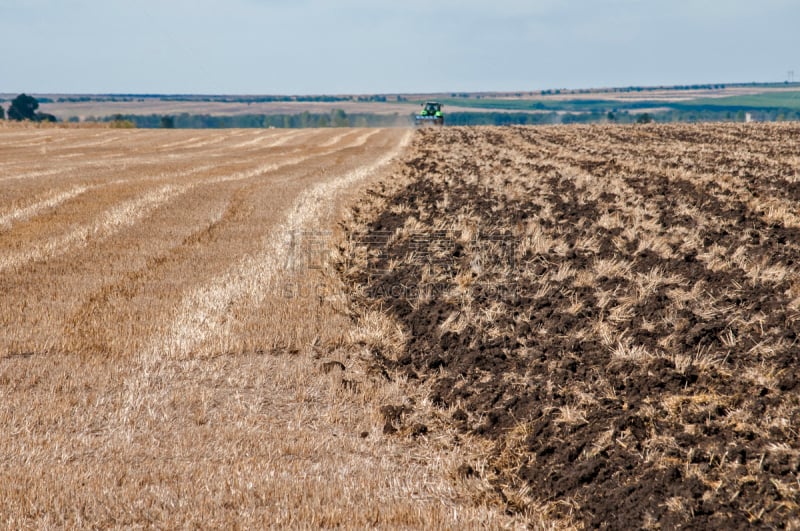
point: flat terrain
(169, 352)
(584, 326)
(616, 308)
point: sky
(373, 47)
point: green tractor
(431, 114)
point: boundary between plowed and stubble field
(615, 309)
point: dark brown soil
(685, 411)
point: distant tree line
(222, 99)
(336, 118)
(86, 99)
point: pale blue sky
(360, 46)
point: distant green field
(578, 105)
(771, 100)
(635, 105)
(766, 101)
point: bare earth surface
(169, 353)
(616, 308)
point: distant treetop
(23, 107)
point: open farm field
(765, 102)
(615, 309)
(170, 350)
(583, 326)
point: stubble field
(616, 308)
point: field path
(163, 331)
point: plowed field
(616, 308)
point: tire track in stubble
(58, 197)
(52, 200)
(95, 325)
(130, 212)
(204, 312)
(123, 162)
